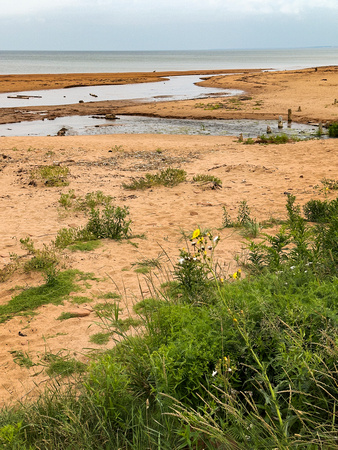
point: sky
(167, 24)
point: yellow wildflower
(235, 275)
(196, 233)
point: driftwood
(24, 97)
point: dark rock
(110, 117)
(62, 131)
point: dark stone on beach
(62, 131)
(110, 117)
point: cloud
(161, 8)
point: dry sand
(259, 174)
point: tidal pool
(89, 125)
(175, 88)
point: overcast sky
(166, 24)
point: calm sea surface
(15, 62)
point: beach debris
(110, 117)
(299, 109)
(280, 122)
(80, 313)
(289, 115)
(335, 101)
(93, 95)
(24, 96)
(268, 130)
(22, 334)
(81, 101)
(62, 131)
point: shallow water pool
(88, 125)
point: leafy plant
(243, 216)
(333, 129)
(195, 266)
(316, 210)
(111, 223)
(91, 200)
(226, 219)
(45, 260)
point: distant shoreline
(59, 62)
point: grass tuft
(169, 178)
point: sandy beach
(259, 174)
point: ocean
(25, 62)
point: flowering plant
(195, 268)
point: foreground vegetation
(215, 361)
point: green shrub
(316, 210)
(111, 223)
(333, 129)
(320, 211)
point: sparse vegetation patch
(168, 177)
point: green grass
(85, 246)
(69, 200)
(205, 179)
(58, 365)
(272, 139)
(100, 338)
(22, 358)
(169, 177)
(80, 300)
(34, 297)
(66, 316)
(110, 295)
(107, 309)
(51, 176)
(142, 270)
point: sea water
(24, 62)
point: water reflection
(87, 125)
(176, 88)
